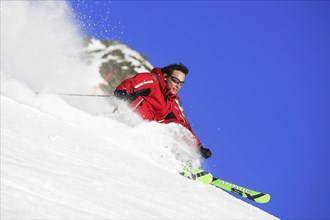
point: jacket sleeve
(131, 88)
(196, 139)
(198, 142)
(184, 122)
(142, 93)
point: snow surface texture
(76, 159)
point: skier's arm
(205, 152)
(132, 88)
(123, 95)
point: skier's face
(175, 81)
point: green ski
(207, 178)
(196, 174)
(253, 195)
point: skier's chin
(174, 92)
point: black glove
(122, 94)
(205, 152)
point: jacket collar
(163, 85)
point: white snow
(73, 158)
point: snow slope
(64, 158)
(95, 167)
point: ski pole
(91, 95)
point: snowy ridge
(73, 157)
(103, 53)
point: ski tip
(263, 199)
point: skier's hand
(142, 92)
(122, 94)
(205, 152)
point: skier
(154, 96)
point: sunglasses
(176, 80)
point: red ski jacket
(159, 105)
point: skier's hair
(176, 66)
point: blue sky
(257, 93)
